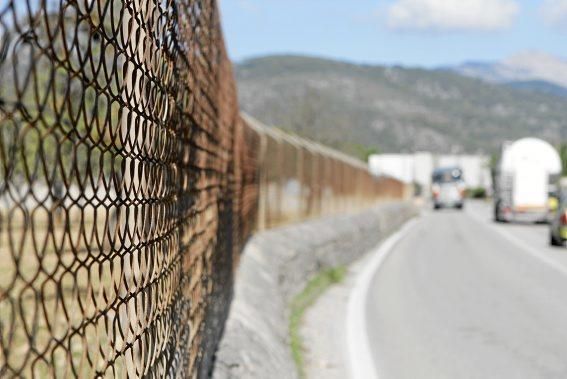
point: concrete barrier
(276, 265)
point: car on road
(558, 222)
(448, 188)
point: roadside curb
(276, 266)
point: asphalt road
(463, 297)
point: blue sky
(408, 32)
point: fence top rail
(296, 141)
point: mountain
(359, 108)
(540, 86)
(530, 66)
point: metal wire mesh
(300, 179)
(129, 184)
(119, 204)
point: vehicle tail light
(564, 218)
(436, 191)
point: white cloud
(555, 12)
(485, 15)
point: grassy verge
(315, 288)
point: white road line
(521, 244)
(362, 365)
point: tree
(563, 155)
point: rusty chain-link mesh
(119, 188)
(300, 179)
(129, 184)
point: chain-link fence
(129, 184)
(120, 187)
(300, 179)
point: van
(448, 188)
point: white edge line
(521, 245)
(361, 362)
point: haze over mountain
(357, 108)
(526, 67)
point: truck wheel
(554, 241)
(497, 216)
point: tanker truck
(522, 180)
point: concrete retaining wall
(276, 265)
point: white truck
(522, 180)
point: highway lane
(462, 297)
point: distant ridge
(540, 86)
(358, 108)
(529, 66)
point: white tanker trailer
(522, 180)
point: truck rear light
(564, 218)
(436, 191)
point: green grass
(315, 288)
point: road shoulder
(323, 330)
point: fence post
(262, 190)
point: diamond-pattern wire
(118, 187)
(300, 179)
(129, 184)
